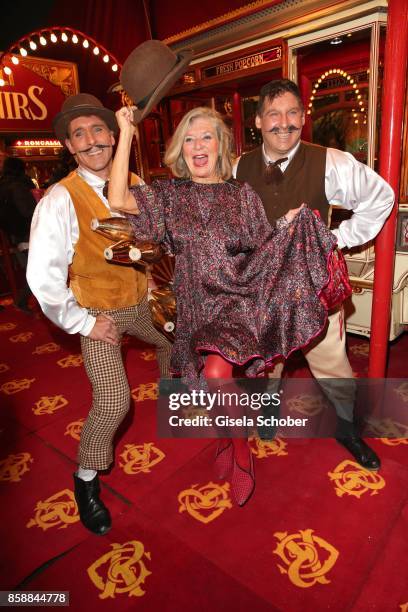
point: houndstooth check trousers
(110, 388)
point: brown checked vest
(303, 181)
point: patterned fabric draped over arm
(255, 226)
(150, 224)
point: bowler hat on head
(149, 73)
(82, 104)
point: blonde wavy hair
(174, 154)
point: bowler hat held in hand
(149, 73)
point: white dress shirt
(54, 233)
(354, 186)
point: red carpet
(319, 533)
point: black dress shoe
(93, 513)
(267, 431)
(361, 452)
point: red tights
(217, 367)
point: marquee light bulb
(43, 41)
(53, 38)
(75, 39)
(96, 50)
(7, 70)
(64, 37)
(33, 45)
(85, 44)
(115, 67)
(15, 60)
(23, 51)
(106, 58)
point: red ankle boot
(224, 458)
(243, 481)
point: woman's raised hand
(124, 118)
(291, 214)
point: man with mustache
(285, 172)
(82, 293)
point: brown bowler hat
(78, 106)
(149, 73)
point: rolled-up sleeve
(357, 187)
(50, 253)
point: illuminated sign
(37, 143)
(243, 63)
(33, 93)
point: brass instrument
(127, 250)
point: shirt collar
(93, 181)
(289, 155)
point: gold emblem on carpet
(72, 361)
(4, 367)
(23, 337)
(148, 355)
(14, 466)
(266, 448)
(402, 391)
(148, 391)
(17, 385)
(59, 510)
(205, 503)
(7, 326)
(351, 479)
(50, 347)
(140, 458)
(310, 405)
(74, 429)
(121, 570)
(360, 349)
(307, 558)
(388, 431)
(49, 404)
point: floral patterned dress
(244, 289)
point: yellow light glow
(106, 58)
(7, 70)
(43, 41)
(53, 38)
(85, 44)
(33, 45)
(96, 50)
(74, 39)
(2, 82)
(115, 67)
(15, 60)
(23, 51)
(64, 37)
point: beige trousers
(327, 360)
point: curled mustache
(289, 130)
(97, 146)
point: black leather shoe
(267, 432)
(361, 452)
(93, 513)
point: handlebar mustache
(97, 146)
(291, 128)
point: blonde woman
(244, 292)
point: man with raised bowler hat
(82, 293)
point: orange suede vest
(95, 282)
